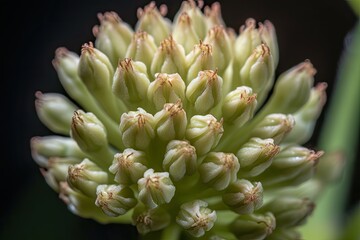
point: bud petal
(112, 36)
(137, 129)
(85, 177)
(196, 218)
(243, 197)
(169, 58)
(219, 169)
(115, 200)
(55, 111)
(184, 32)
(171, 122)
(204, 133)
(213, 15)
(151, 219)
(253, 226)
(142, 48)
(130, 81)
(256, 156)
(274, 126)
(128, 166)
(151, 20)
(155, 188)
(205, 91)
(239, 106)
(268, 36)
(289, 211)
(180, 159)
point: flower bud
(55, 111)
(243, 197)
(213, 15)
(184, 32)
(219, 169)
(196, 16)
(274, 126)
(204, 133)
(171, 122)
(239, 106)
(85, 177)
(205, 91)
(222, 48)
(137, 129)
(166, 88)
(142, 48)
(128, 166)
(292, 166)
(114, 200)
(169, 58)
(199, 59)
(196, 218)
(180, 159)
(130, 82)
(88, 132)
(256, 156)
(155, 188)
(253, 226)
(289, 211)
(247, 41)
(151, 20)
(150, 220)
(57, 170)
(307, 115)
(45, 148)
(299, 81)
(268, 36)
(112, 36)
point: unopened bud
(149, 220)
(213, 15)
(268, 36)
(184, 32)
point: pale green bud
(155, 188)
(151, 20)
(247, 41)
(239, 106)
(285, 234)
(253, 226)
(256, 156)
(258, 71)
(204, 133)
(184, 32)
(196, 218)
(219, 169)
(130, 82)
(112, 36)
(115, 200)
(55, 111)
(268, 36)
(169, 58)
(199, 59)
(222, 48)
(289, 211)
(45, 148)
(196, 16)
(166, 88)
(171, 122)
(142, 48)
(205, 91)
(149, 220)
(128, 166)
(180, 159)
(85, 177)
(307, 115)
(274, 126)
(213, 15)
(292, 166)
(292, 89)
(137, 129)
(57, 170)
(88, 132)
(243, 197)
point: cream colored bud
(213, 15)
(149, 220)
(184, 32)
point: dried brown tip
(206, 49)
(87, 48)
(214, 10)
(126, 64)
(60, 52)
(140, 35)
(168, 44)
(307, 67)
(250, 24)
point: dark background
(32, 30)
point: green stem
(172, 232)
